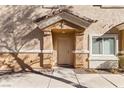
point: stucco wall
(18, 20)
(19, 32)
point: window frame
(115, 36)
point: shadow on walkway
(61, 79)
(46, 75)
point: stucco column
(47, 50)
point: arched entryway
(120, 29)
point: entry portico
(65, 39)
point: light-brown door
(64, 51)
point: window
(103, 45)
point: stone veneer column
(121, 50)
(47, 50)
(122, 41)
(78, 48)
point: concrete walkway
(62, 78)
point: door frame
(68, 35)
(71, 46)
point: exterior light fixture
(61, 24)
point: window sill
(104, 57)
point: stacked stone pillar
(47, 50)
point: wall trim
(103, 58)
(121, 52)
(47, 51)
(80, 51)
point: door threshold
(65, 66)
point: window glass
(109, 46)
(97, 46)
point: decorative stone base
(121, 61)
(47, 66)
(81, 61)
(78, 65)
(33, 60)
(47, 60)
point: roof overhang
(69, 17)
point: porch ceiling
(69, 17)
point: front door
(64, 51)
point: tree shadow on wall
(26, 68)
(35, 34)
(22, 42)
(16, 33)
(108, 65)
(39, 35)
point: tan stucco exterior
(33, 41)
